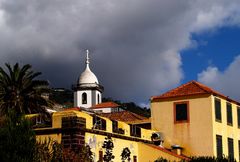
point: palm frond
(20, 90)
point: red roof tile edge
(169, 152)
(105, 105)
(203, 87)
(119, 116)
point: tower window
(84, 98)
(98, 98)
(181, 112)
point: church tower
(87, 91)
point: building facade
(199, 120)
(74, 128)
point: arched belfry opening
(84, 98)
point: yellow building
(198, 120)
(75, 127)
(82, 125)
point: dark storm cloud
(134, 44)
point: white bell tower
(87, 91)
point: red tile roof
(189, 89)
(124, 116)
(141, 121)
(105, 105)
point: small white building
(106, 107)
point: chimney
(177, 149)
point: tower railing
(83, 86)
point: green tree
(20, 94)
(161, 159)
(201, 159)
(19, 90)
(211, 159)
(17, 139)
(83, 154)
(18, 143)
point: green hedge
(201, 159)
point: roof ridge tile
(189, 89)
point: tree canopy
(20, 91)
(17, 139)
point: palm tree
(20, 92)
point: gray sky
(134, 45)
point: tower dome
(87, 77)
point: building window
(219, 146)
(135, 131)
(238, 117)
(239, 149)
(98, 98)
(181, 112)
(114, 109)
(114, 126)
(84, 98)
(229, 114)
(39, 120)
(100, 156)
(134, 158)
(99, 123)
(230, 148)
(218, 114)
